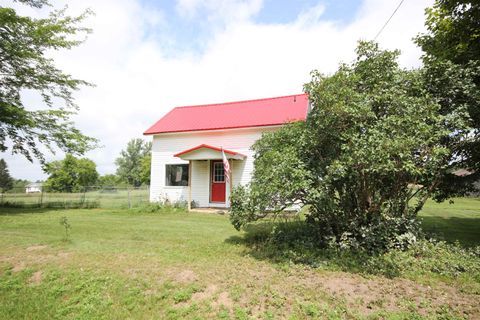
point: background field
(93, 197)
(120, 264)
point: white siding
(200, 182)
(166, 145)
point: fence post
(41, 198)
(83, 196)
(129, 204)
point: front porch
(208, 184)
(221, 211)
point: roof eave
(146, 133)
(228, 153)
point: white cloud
(137, 83)
(312, 15)
(223, 11)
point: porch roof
(207, 152)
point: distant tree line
(7, 182)
(74, 174)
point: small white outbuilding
(33, 188)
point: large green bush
(365, 161)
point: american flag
(226, 167)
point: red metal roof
(233, 153)
(240, 114)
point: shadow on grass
(6, 211)
(465, 231)
(294, 243)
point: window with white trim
(176, 175)
(218, 172)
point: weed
(64, 222)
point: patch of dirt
(185, 276)
(370, 295)
(33, 256)
(223, 300)
(36, 248)
(367, 295)
(63, 254)
(205, 294)
(36, 278)
(18, 266)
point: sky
(147, 56)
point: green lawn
(120, 198)
(121, 264)
(459, 221)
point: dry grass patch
(184, 276)
(36, 278)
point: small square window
(176, 175)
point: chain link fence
(89, 197)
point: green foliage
(25, 42)
(134, 162)
(453, 31)
(294, 242)
(373, 132)
(160, 207)
(70, 174)
(185, 294)
(20, 185)
(281, 177)
(108, 180)
(6, 181)
(452, 73)
(146, 168)
(66, 225)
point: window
(218, 172)
(176, 175)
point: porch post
(189, 185)
(231, 183)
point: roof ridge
(239, 101)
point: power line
(388, 20)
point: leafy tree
(6, 181)
(24, 65)
(365, 161)
(108, 180)
(452, 73)
(146, 168)
(70, 174)
(453, 27)
(19, 185)
(130, 164)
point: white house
(188, 142)
(33, 188)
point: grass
(457, 221)
(120, 264)
(119, 198)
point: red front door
(217, 180)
